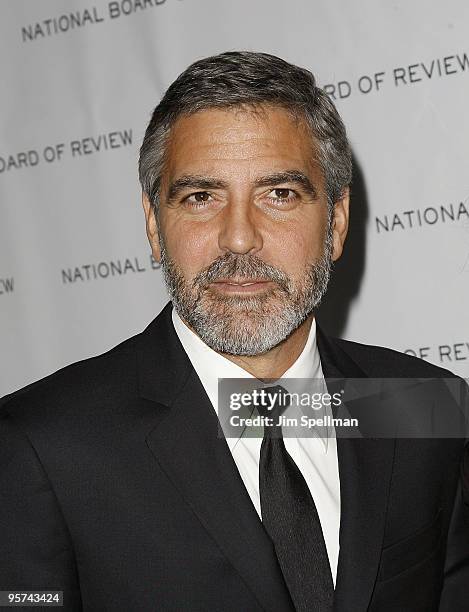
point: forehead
(239, 142)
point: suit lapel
(187, 445)
(365, 467)
(188, 448)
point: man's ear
(340, 221)
(152, 227)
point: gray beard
(246, 325)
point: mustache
(240, 266)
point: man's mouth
(241, 285)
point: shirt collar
(210, 365)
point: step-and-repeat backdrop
(79, 80)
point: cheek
(191, 248)
(298, 248)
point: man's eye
(282, 194)
(200, 197)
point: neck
(275, 362)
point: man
(116, 485)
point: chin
(244, 335)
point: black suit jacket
(116, 489)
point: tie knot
(273, 401)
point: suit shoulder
(103, 377)
(382, 362)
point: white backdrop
(79, 80)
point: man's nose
(238, 231)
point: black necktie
(290, 518)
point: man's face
(245, 238)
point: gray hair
(244, 78)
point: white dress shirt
(316, 457)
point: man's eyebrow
(193, 181)
(196, 181)
(288, 176)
